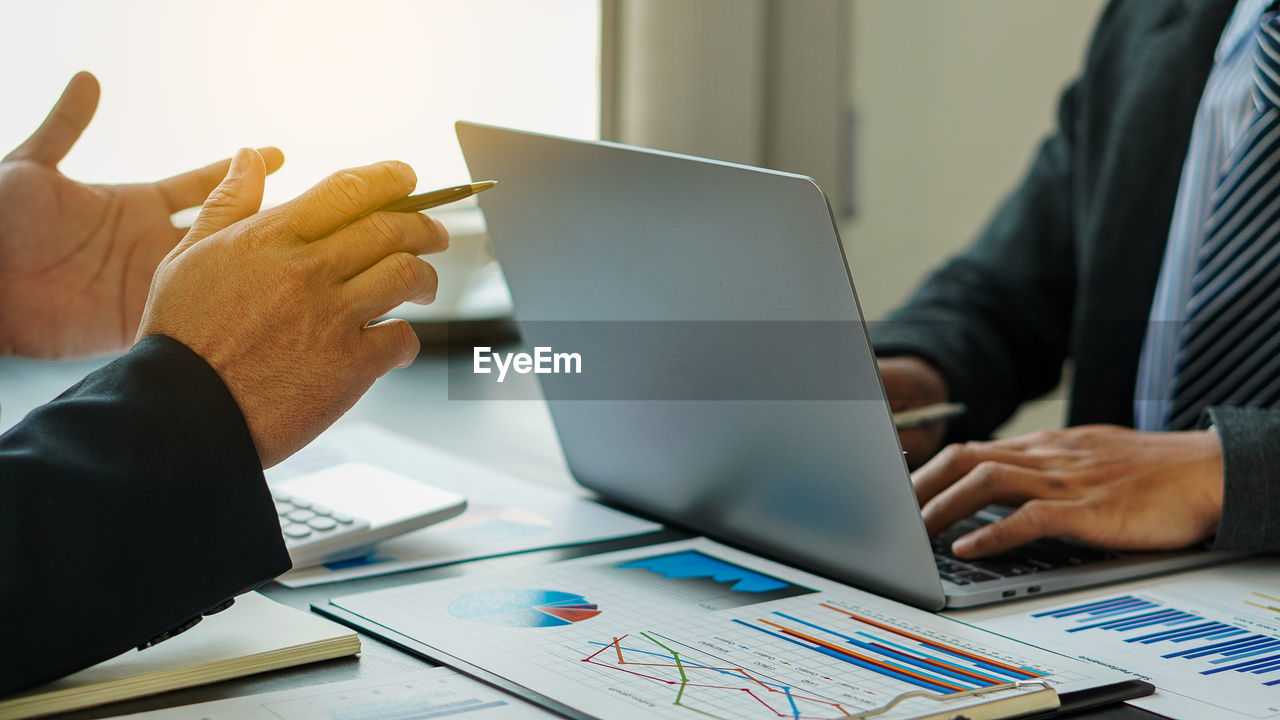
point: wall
(950, 99)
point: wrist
(1209, 477)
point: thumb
(238, 196)
(64, 123)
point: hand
(279, 302)
(911, 382)
(76, 260)
(1108, 486)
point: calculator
(343, 512)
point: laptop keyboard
(1034, 557)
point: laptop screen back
(726, 382)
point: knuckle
(223, 196)
(275, 224)
(385, 229)
(396, 175)
(1093, 503)
(1037, 514)
(987, 474)
(953, 455)
(347, 189)
(301, 270)
(407, 273)
(1043, 437)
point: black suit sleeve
(996, 319)
(1250, 438)
(130, 505)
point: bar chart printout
(815, 661)
(1212, 646)
(696, 630)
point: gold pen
(915, 417)
(435, 198)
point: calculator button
(343, 518)
(284, 521)
(322, 523)
(321, 510)
(284, 508)
(300, 516)
(300, 503)
(296, 531)
(281, 496)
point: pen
(915, 417)
(435, 198)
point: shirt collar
(1240, 28)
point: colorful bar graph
(892, 652)
(1221, 647)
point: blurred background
(915, 116)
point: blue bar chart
(1208, 640)
(1217, 647)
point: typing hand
(1108, 486)
(911, 382)
(279, 302)
(76, 260)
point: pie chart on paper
(524, 608)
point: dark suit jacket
(130, 505)
(1067, 267)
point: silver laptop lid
(727, 383)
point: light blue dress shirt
(1225, 111)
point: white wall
(951, 97)
(333, 83)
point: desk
(514, 436)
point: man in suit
(1104, 255)
(135, 502)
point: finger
(238, 196)
(390, 343)
(944, 469)
(1032, 521)
(345, 196)
(956, 461)
(396, 279)
(191, 188)
(64, 123)
(365, 242)
(988, 483)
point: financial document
(695, 627)
(504, 513)
(434, 693)
(1209, 640)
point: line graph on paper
(801, 660)
(696, 630)
(705, 683)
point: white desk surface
(515, 436)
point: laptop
(724, 379)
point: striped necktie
(1229, 350)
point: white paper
(434, 693)
(1236, 604)
(504, 513)
(695, 626)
